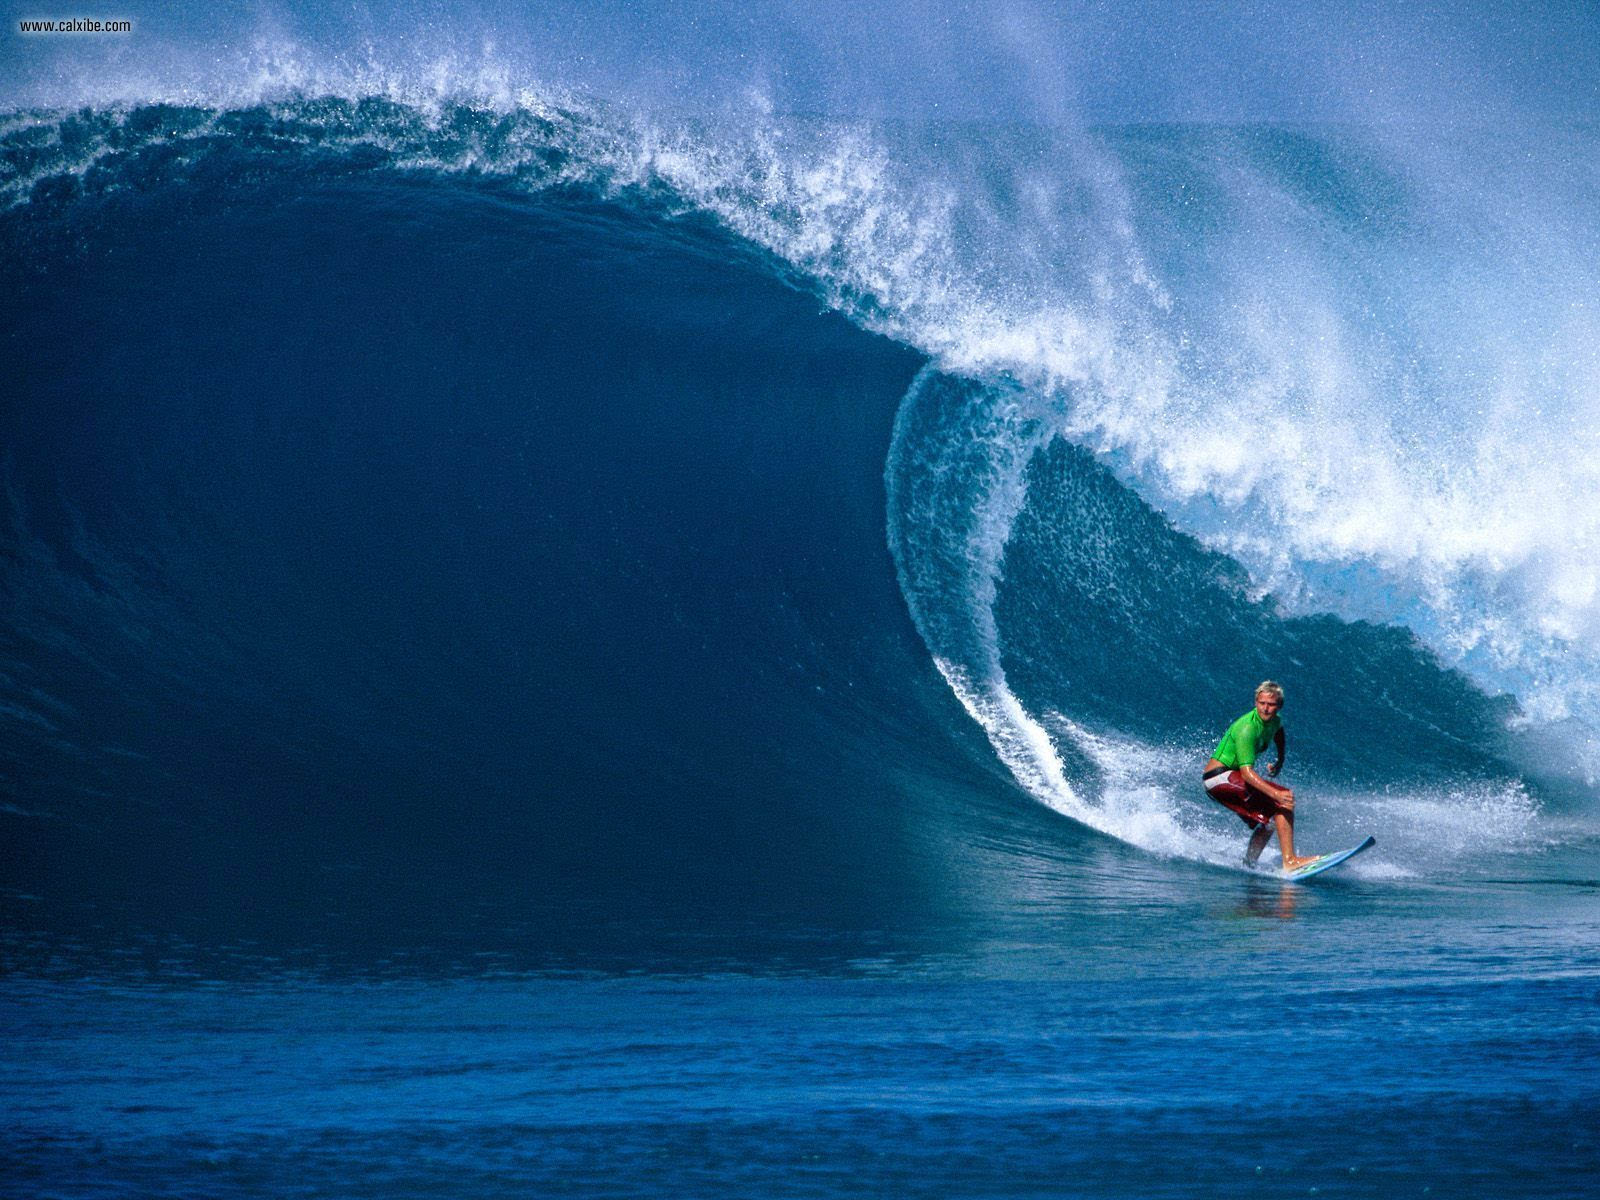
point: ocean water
(554, 649)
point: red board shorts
(1229, 789)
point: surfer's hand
(1274, 769)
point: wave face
(398, 493)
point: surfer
(1232, 780)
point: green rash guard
(1246, 738)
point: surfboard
(1326, 862)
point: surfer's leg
(1284, 820)
(1258, 843)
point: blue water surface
(1205, 1035)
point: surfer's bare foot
(1292, 862)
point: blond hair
(1271, 688)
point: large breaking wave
(396, 471)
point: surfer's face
(1267, 706)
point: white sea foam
(1378, 439)
(1153, 800)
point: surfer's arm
(1279, 742)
